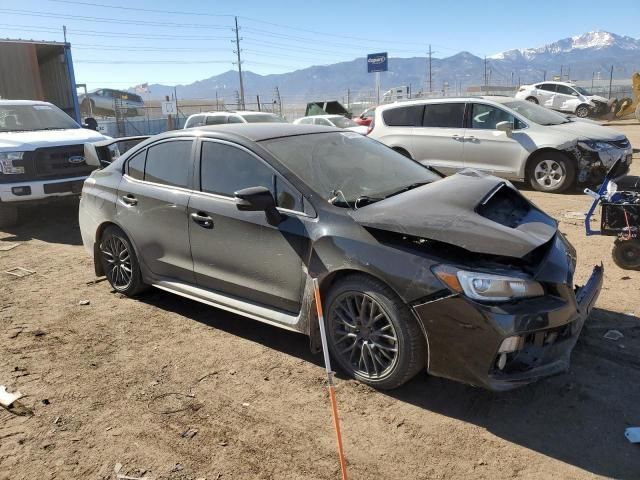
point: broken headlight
(594, 145)
(6, 163)
(486, 286)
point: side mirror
(258, 199)
(505, 127)
(91, 155)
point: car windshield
(342, 122)
(263, 118)
(346, 168)
(21, 118)
(536, 113)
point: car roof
(255, 132)
(424, 101)
(234, 112)
(22, 102)
(330, 115)
(555, 82)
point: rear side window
(169, 163)
(135, 167)
(549, 87)
(225, 169)
(216, 119)
(443, 115)
(195, 121)
(409, 116)
(234, 119)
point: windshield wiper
(406, 189)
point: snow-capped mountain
(597, 40)
(583, 57)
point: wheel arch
(96, 246)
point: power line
(149, 10)
(150, 62)
(119, 21)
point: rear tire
(582, 111)
(626, 254)
(551, 172)
(532, 100)
(8, 215)
(119, 262)
(372, 334)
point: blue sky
(194, 41)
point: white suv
(509, 138)
(219, 118)
(565, 97)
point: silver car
(105, 101)
(509, 138)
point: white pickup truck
(41, 155)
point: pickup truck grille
(61, 162)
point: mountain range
(581, 57)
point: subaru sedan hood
(477, 212)
(589, 130)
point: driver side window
(225, 169)
(486, 117)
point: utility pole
(279, 100)
(610, 80)
(569, 73)
(348, 98)
(561, 77)
(237, 51)
(485, 73)
(512, 73)
(593, 74)
(430, 71)
(64, 33)
(544, 76)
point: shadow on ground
(578, 417)
(55, 222)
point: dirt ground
(121, 386)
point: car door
(566, 99)
(152, 207)
(546, 92)
(238, 253)
(492, 150)
(439, 140)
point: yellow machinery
(630, 106)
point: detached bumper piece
(504, 347)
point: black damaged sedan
(462, 276)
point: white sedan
(337, 121)
(564, 97)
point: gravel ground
(165, 388)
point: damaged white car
(509, 138)
(565, 97)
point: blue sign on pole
(377, 62)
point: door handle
(202, 219)
(456, 137)
(471, 137)
(130, 200)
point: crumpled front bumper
(464, 336)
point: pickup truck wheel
(626, 254)
(551, 172)
(372, 334)
(119, 262)
(532, 100)
(8, 215)
(582, 111)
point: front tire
(532, 100)
(626, 254)
(119, 262)
(372, 334)
(551, 172)
(582, 111)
